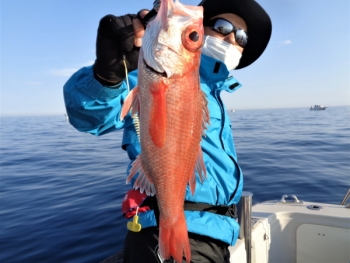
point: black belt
(230, 211)
(216, 209)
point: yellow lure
(134, 226)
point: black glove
(115, 38)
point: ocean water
(61, 190)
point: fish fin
(173, 240)
(142, 181)
(131, 102)
(157, 128)
(192, 181)
(200, 166)
(200, 169)
(206, 117)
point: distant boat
(318, 107)
(232, 110)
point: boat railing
(245, 222)
(346, 198)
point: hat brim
(258, 22)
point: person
(236, 34)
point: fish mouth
(163, 74)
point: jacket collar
(216, 75)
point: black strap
(230, 211)
(216, 209)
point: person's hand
(115, 39)
(139, 28)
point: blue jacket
(94, 108)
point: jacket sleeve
(92, 107)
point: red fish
(173, 114)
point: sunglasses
(225, 27)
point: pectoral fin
(131, 103)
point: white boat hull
(292, 232)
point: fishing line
(135, 116)
(126, 74)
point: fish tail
(173, 240)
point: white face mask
(221, 50)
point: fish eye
(192, 37)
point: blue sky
(43, 42)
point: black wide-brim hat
(258, 22)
